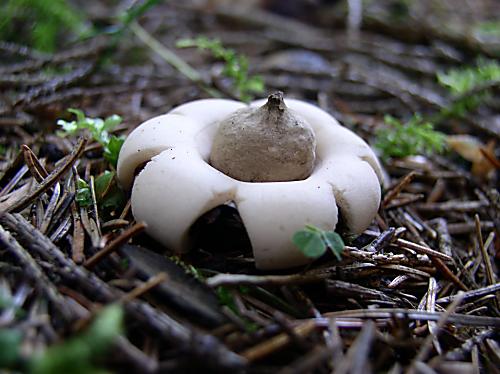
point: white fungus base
(177, 185)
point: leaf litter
(417, 291)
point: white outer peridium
(178, 185)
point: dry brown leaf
(472, 149)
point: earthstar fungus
(284, 164)
(264, 144)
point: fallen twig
(420, 315)
(51, 179)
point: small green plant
(78, 354)
(75, 355)
(313, 242)
(10, 347)
(109, 196)
(99, 129)
(488, 28)
(39, 23)
(461, 81)
(414, 137)
(83, 193)
(235, 66)
(188, 268)
(226, 298)
(136, 10)
(112, 149)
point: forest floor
(418, 291)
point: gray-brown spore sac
(266, 144)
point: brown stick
(36, 168)
(445, 270)
(422, 249)
(484, 252)
(420, 315)
(398, 188)
(278, 342)
(144, 287)
(51, 179)
(115, 244)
